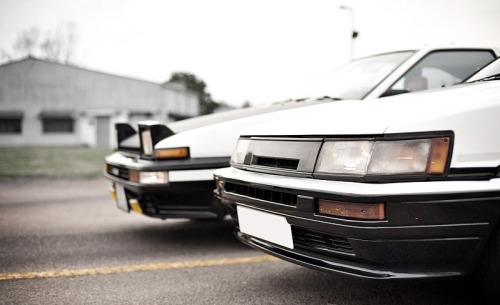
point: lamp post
(354, 33)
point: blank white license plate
(121, 198)
(269, 227)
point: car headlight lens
(345, 157)
(147, 142)
(148, 177)
(370, 157)
(399, 157)
(240, 151)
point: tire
(489, 269)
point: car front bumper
(431, 229)
(188, 193)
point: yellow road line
(135, 268)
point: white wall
(33, 86)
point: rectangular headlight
(384, 157)
(428, 156)
(148, 177)
(240, 151)
(397, 157)
(344, 157)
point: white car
(166, 171)
(401, 187)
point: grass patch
(51, 162)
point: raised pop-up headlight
(147, 142)
(385, 157)
(152, 132)
(124, 131)
(240, 151)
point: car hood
(470, 111)
(416, 112)
(219, 140)
(460, 109)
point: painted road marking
(135, 268)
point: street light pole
(354, 33)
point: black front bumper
(423, 236)
(181, 199)
(192, 200)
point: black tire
(489, 269)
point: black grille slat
(307, 236)
(320, 242)
(124, 173)
(119, 172)
(262, 194)
(277, 162)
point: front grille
(262, 194)
(277, 162)
(119, 172)
(320, 242)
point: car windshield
(491, 69)
(356, 79)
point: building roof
(72, 66)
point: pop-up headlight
(147, 142)
(152, 132)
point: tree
(27, 41)
(207, 105)
(4, 56)
(246, 104)
(56, 46)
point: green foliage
(207, 104)
(51, 162)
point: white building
(47, 103)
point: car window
(442, 68)
(491, 69)
(356, 79)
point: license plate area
(121, 198)
(266, 226)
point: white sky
(259, 51)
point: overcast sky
(259, 51)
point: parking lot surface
(64, 242)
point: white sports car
(167, 171)
(401, 187)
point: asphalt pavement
(65, 242)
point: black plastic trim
(179, 164)
(124, 131)
(368, 198)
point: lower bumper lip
(338, 265)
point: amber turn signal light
(172, 153)
(438, 155)
(364, 211)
